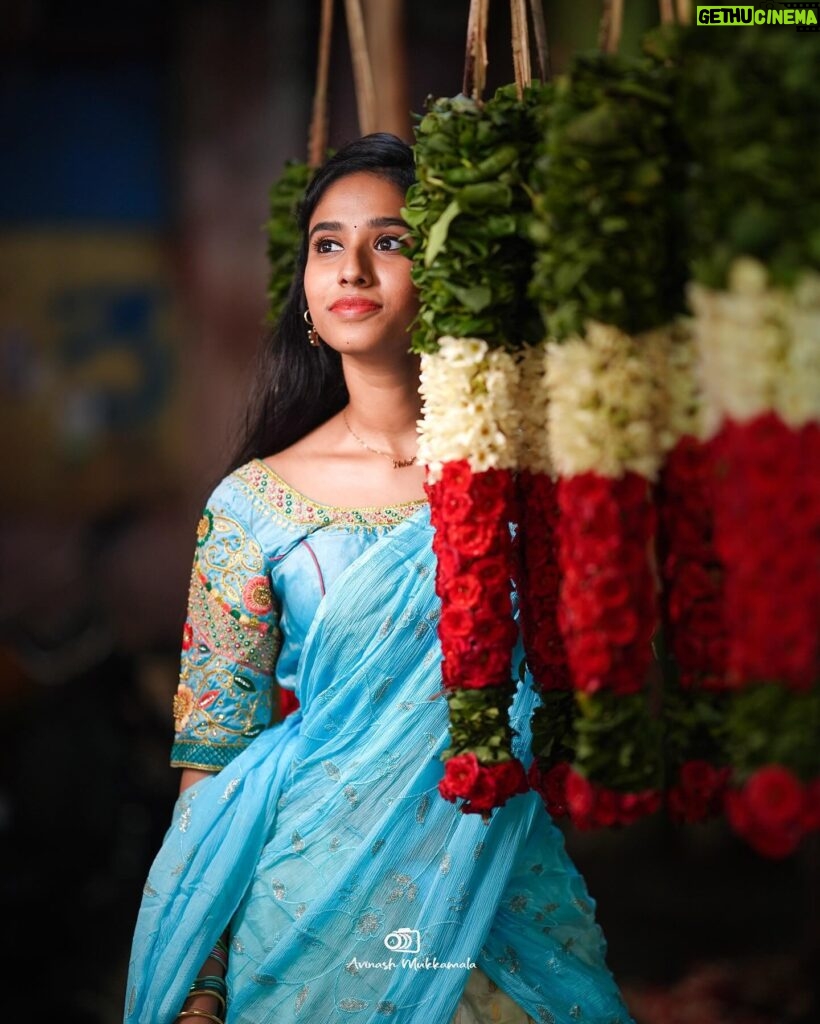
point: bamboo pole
(385, 27)
(362, 71)
(520, 46)
(317, 134)
(475, 58)
(684, 10)
(609, 28)
(539, 28)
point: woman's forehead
(363, 194)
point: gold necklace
(397, 463)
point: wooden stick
(520, 45)
(667, 12)
(384, 22)
(539, 27)
(684, 9)
(475, 57)
(609, 28)
(317, 135)
(362, 71)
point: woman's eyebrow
(374, 222)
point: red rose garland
(605, 408)
(468, 440)
(552, 742)
(768, 536)
(758, 354)
(692, 604)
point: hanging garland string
(606, 288)
(753, 217)
(468, 212)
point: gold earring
(313, 334)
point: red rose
(474, 538)
(493, 571)
(606, 807)
(460, 776)
(456, 476)
(774, 796)
(580, 796)
(456, 622)
(463, 591)
(483, 795)
(455, 507)
(510, 778)
(698, 777)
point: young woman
(312, 871)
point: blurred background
(138, 144)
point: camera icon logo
(403, 940)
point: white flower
(607, 402)
(469, 406)
(758, 347)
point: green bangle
(209, 980)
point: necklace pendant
(401, 463)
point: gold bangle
(206, 992)
(201, 1013)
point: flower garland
(604, 282)
(759, 348)
(467, 440)
(471, 265)
(553, 743)
(692, 600)
(604, 414)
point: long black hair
(296, 385)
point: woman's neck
(384, 402)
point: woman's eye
(389, 243)
(326, 245)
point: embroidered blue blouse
(257, 540)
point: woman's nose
(355, 267)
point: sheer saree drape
(328, 834)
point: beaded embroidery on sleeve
(230, 643)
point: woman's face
(357, 277)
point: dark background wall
(139, 141)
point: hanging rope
(667, 12)
(317, 136)
(539, 28)
(475, 59)
(520, 46)
(609, 28)
(362, 71)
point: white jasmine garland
(758, 347)
(607, 402)
(469, 406)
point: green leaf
(438, 233)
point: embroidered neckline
(299, 508)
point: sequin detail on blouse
(261, 482)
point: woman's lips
(353, 307)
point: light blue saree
(353, 891)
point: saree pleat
(327, 836)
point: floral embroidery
(230, 643)
(204, 527)
(257, 596)
(184, 703)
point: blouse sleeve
(230, 641)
